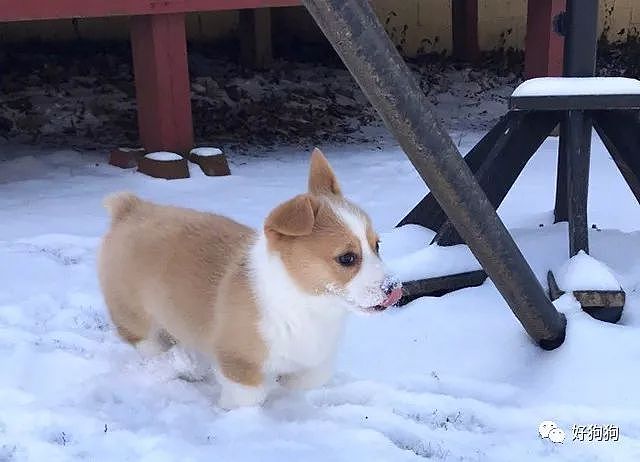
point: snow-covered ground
(450, 378)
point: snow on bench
(409, 256)
(577, 86)
(583, 272)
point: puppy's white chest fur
(301, 331)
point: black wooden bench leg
(620, 133)
(561, 209)
(577, 151)
(505, 162)
(428, 212)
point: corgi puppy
(265, 306)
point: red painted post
(161, 70)
(464, 21)
(543, 47)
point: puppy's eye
(347, 259)
(377, 246)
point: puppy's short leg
(309, 378)
(132, 322)
(242, 383)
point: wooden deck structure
(160, 53)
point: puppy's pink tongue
(394, 296)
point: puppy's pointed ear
(293, 218)
(322, 180)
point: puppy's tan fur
(171, 269)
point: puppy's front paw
(234, 395)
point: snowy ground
(451, 378)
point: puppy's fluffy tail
(121, 204)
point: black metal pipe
(358, 37)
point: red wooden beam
(464, 21)
(163, 95)
(24, 10)
(543, 47)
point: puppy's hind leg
(136, 327)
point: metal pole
(357, 35)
